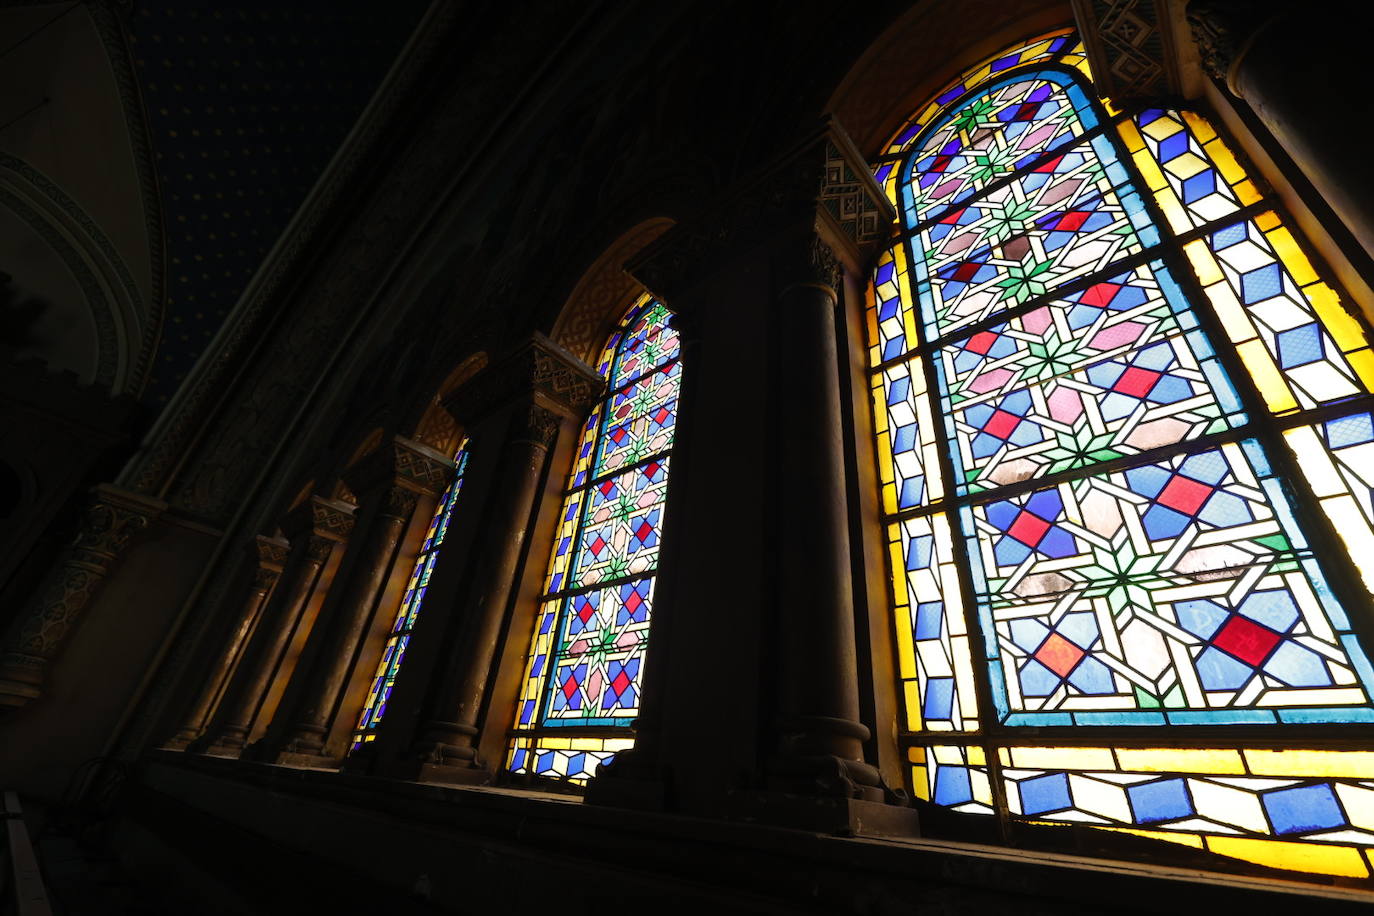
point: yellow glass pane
(1268, 221)
(1183, 839)
(1180, 760)
(1309, 857)
(1292, 256)
(1267, 377)
(1206, 267)
(912, 694)
(1354, 764)
(1065, 758)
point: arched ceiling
(247, 102)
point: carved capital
(1224, 31)
(271, 555)
(822, 182)
(330, 519)
(1130, 46)
(113, 518)
(400, 464)
(535, 425)
(810, 261)
(537, 370)
(399, 501)
(318, 548)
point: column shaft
(449, 737)
(819, 736)
(269, 553)
(353, 616)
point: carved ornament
(537, 370)
(403, 463)
(320, 517)
(112, 520)
(1130, 47)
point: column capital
(328, 519)
(537, 371)
(1224, 31)
(822, 184)
(271, 554)
(399, 466)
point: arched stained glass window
(585, 666)
(1127, 461)
(385, 678)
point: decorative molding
(113, 518)
(98, 268)
(538, 369)
(399, 502)
(822, 182)
(110, 18)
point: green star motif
(971, 116)
(1021, 283)
(1003, 222)
(988, 164)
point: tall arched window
(385, 678)
(583, 674)
(1126, 456)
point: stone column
(37, 634)
(534, 386)
(788, 231)
(313, 529)
(819, 738)
(270, 554)
(390, 482)
(1302, 70)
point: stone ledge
(323, 810)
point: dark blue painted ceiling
(247, 102)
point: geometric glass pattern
(1126, 457)
(582, 678)
(385, 679)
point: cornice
(320, 517)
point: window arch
(379, 692)
(1125, 454)
(582, 678)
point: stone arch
(435, 426)
(909, 61)
(604, 292)
(125, 327)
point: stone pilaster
(270, 555)
(390, 482)
(112, 519)
(534, 388)
(313, 530)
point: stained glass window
(385, 678)
(582, 677)
(1127, 466)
